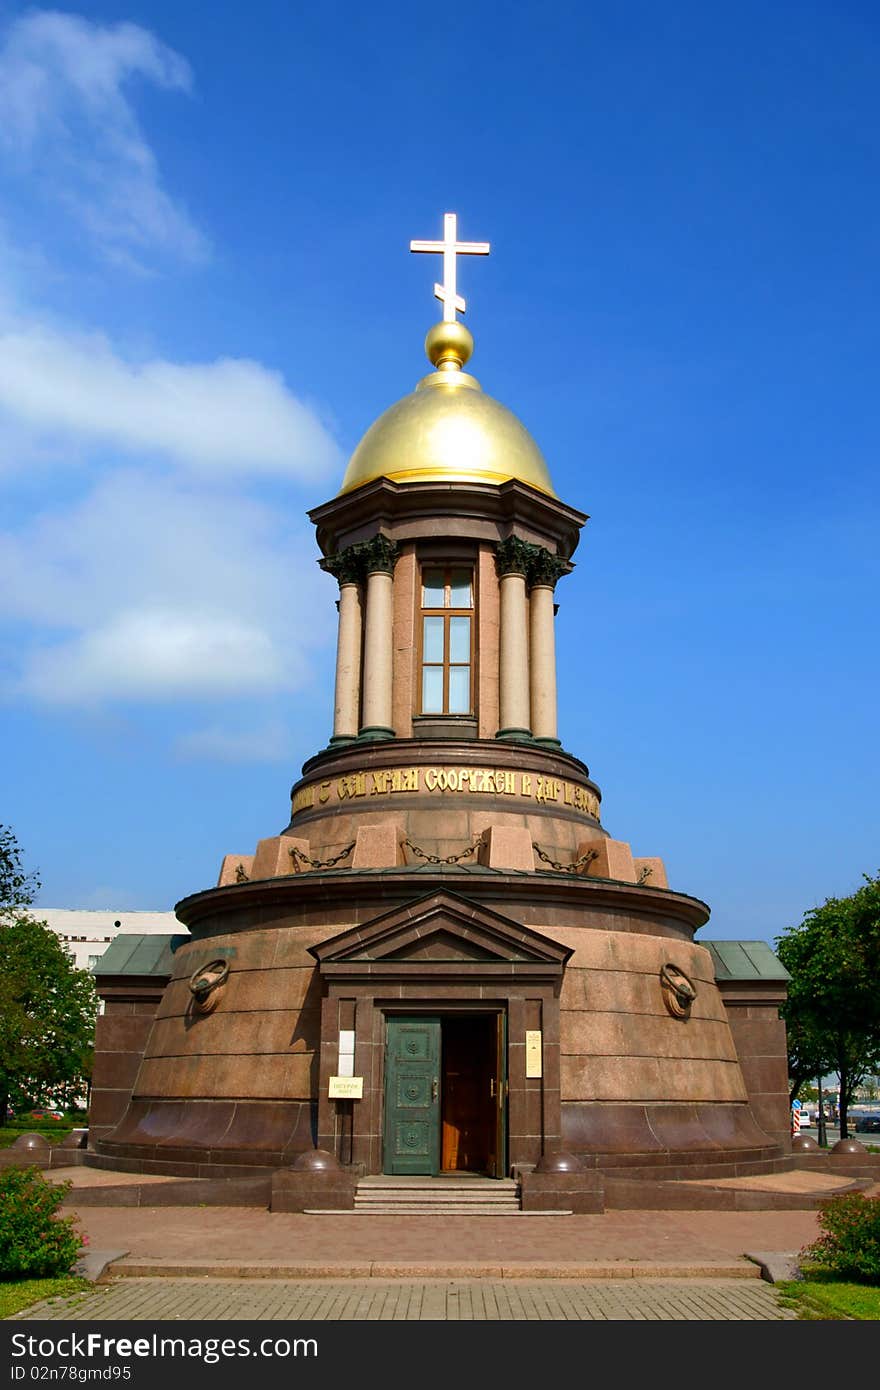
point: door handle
(434, 1089)
(491, 1088)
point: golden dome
(448, 430)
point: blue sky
(206, 297)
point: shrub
(34, 1241)
(850, 1243)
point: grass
(58, 1131)
(821, 1297)
(17, 1294)
(53, 1130)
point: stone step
(428, 1199)
(386, 1194)
(449, 1209)
(403, 1204)
(431, 1211)
(468, 1195)
(415, 1180)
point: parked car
(867, 1124)
(47, 1115)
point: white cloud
(157, 654)
(65, 115)
(231, 415)
(147, 590)
(135, 569)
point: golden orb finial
(448, 430)
(448, 346)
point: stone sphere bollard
(803, 1143)
(560, 1162)
(316, 1161)
(32, 1144)
(849, 1146)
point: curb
(375, 1269)
(92, 1264)
(776, 1266)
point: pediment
(440, 945)
(441, 928)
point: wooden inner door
(471, 1093)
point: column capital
(352, 565)
(545, 568)
(378, 555)
(513, 556)
(535, 563)
(346, 566)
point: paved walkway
(245, 1242)
(240, 1263)
(379, 1300)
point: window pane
(459, 639)
(432, 690)
(432, 639)
(433, 589)
(459, 690)
(460, 589)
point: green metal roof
(745, 960)
(152, 954)
(136, 953)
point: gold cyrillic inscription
(478, 780)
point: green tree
(808, 1046)
(833, 1010)
(47, 1006)
(17, 889)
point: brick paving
(372, 1300)
(239, 1263)
(242, 1240)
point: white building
(86, 933)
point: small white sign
(346, 1088)
(533, 1052)
(346, 1042)
(345, 1064)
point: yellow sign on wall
(533, 1052)
(346, 1088)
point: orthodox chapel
(441, 972)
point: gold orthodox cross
(450, 247)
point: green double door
(445, 1094)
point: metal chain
(571, 868)
(450, 858)
(321, 863)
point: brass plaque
(533, 1052)
(346, 1088)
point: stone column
(514, 714)
(348, 663)
(544, 570)
(542, 673)
(348, 568)
(379, 556)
